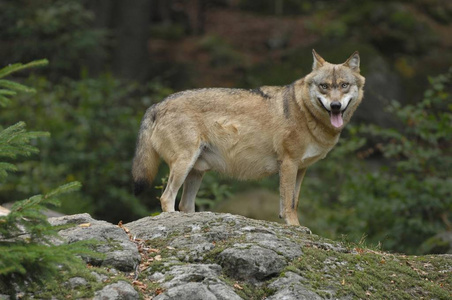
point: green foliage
(15, 140)
(27, 251)
(222, 54)
(402, 200)
(414, 187)
(390, 27)
(10, 88)
(94, 124)
(368, 274)
(57, 29)
(212, 192)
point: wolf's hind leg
(300, 176)
(178, 173)
(191, 187)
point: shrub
(94, 124)
(403, 197)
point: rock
(251, 263)
(295, 292)
(198, 281)
(290, 287)
(75, 282)
(222, 256)
(181, 274)
(188, 291)
(120, 252)
(441, 243)
(117, 291)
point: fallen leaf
(151, 250)
(85, 225)
(343, 281)
(159, 291)
(359, 250)
(170, 248)
(238, 286)
(158, 258)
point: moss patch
(367, 273)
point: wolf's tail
(146, 160)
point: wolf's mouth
(336, 114)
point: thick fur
(248, 134)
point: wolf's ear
(318, 60)
(353, 62)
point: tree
(27, 253)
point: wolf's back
(146, 160)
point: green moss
(248, 291)
(378, 275)
(60, 288)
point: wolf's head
(335, 90)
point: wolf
(248, 134)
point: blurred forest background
(388, 181)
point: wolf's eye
(345, 85)
(323, 86)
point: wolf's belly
(248, 163)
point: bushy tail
(146, 160)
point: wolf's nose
(335, 106)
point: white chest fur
(313, 153)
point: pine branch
(19, 66)
(10, 88)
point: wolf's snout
(335, 106)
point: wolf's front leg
(287, 187)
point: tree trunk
(130, 55)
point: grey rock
(290, 287)
(295, 292)
(188, 291)
(99, 277)
(205, 226)
(75, 282)
(157, 276)
(284, 246)
(195, 281)
(120, 290)
(288, 279)
(199, 291)
(252, 264)
(223, 292)
(120, 252)
(192, 273)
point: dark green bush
(94, 124)
(402, 198)
(60, 30)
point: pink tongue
(336, 120)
